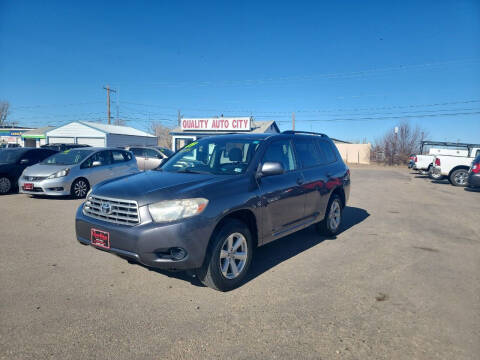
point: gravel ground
(402, 281)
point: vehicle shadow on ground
(276, 252)
(444, 182)
(43, 197)
(477, 190)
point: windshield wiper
(188, 171)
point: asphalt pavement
(401, 281)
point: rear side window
(327, 150)
(137, 151)
(281, 151)
(119, 156)
(308, 152)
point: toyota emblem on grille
(106, 208)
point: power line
(384, 117)
(338, 75)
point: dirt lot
(402, 281)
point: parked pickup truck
(424, 163)
(455, 168)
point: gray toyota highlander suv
(213, 202)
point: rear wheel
(459, 177)
(435, 176)
(80, 188)
(5, 185)
(228, 258)
(333, 217)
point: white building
(99, 135)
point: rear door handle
(329, 175)
(300, 181)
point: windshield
(10, 156)
(222, 156)
(67, 157)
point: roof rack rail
(302, 132)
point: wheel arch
(244, 215)
(465, 167)
(340, 192)
(80, 178)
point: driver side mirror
(96, 163)
(271, 168)
(24, 162)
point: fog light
(177, 253)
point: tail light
(437, 162)
(416, 159)
(476, 168)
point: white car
(455, 168)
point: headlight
(171, 210)
(60, 173)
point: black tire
(79, 188)
(211, 273)
(326, 226)
(459, 177)
(5, 185)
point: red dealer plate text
(100, 238)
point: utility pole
(179, 118)
(293, 121)
(108, 101)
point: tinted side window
(281, 151)
(307, 152)
(327, 150)
(104, 157)
(137, 151)
(150, 153)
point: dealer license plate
(100, 238)
(28, 186)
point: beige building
(353, 153)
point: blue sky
(325, 61)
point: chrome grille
(112, 210)
(34, 178)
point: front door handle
(329, 175)
(300, 181)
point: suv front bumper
(150, 243)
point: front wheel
(5, 185)
(80, 188)
(459, 177)
(229, 257)
(333, 217)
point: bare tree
(163, 134)
(4, 106)
(397, 146)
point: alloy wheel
(461, 177)
(334, 217)
(233, 255)
(5, 185)
(80, 189)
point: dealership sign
(217, 124)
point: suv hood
(152, 186)
(43, 170)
